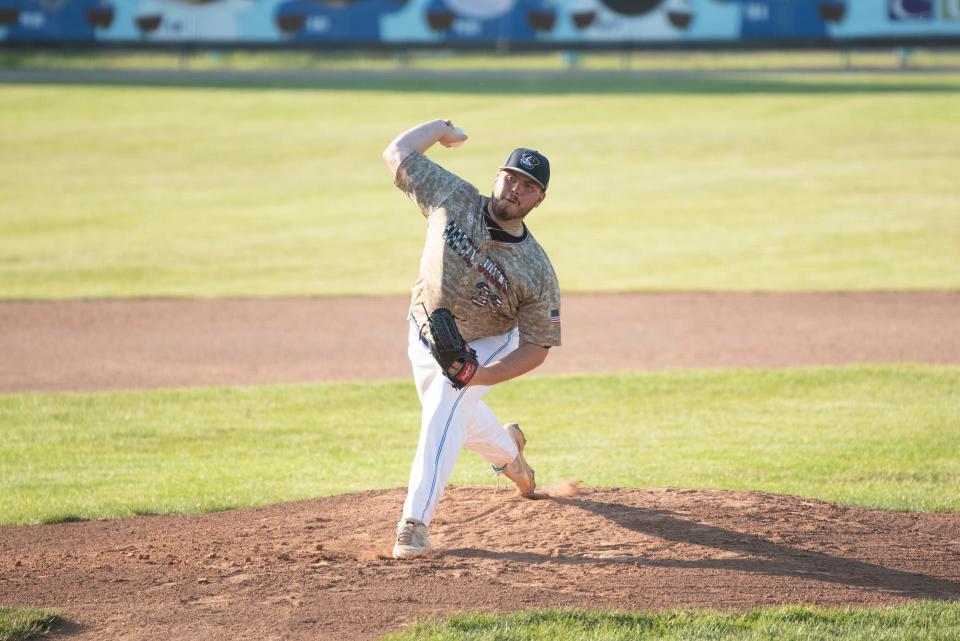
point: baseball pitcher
(485, 309)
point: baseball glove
(457, 360)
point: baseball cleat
(412, 540)
(518, 471)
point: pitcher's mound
(321, 568)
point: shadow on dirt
(65, 628)
(754, 554)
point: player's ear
(543, 195)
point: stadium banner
(547, 24)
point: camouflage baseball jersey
(490, 280)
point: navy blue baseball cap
(529, 162)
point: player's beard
(506, 210)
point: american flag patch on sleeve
(555, 316)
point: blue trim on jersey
(443, 439)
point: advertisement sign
(475, 22)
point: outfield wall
(516, 24)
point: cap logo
(529, 161)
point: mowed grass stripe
(928, 620)
(825, 182)
(886, 437)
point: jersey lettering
(461, 243)
(492, 271)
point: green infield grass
(274, 186)
(927, 620)
(19, 624)
(886, 437)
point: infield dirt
(122, 344)
(319, 569)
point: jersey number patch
(487, 299)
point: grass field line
(441, 59)
(481, 73)
(735, 79)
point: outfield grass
(770, 182)
(885, 437)
(930, 621)
(18, 624)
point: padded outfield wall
(478, 23)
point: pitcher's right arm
(421, 138)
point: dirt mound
(319, 568)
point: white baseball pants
(452, 419)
